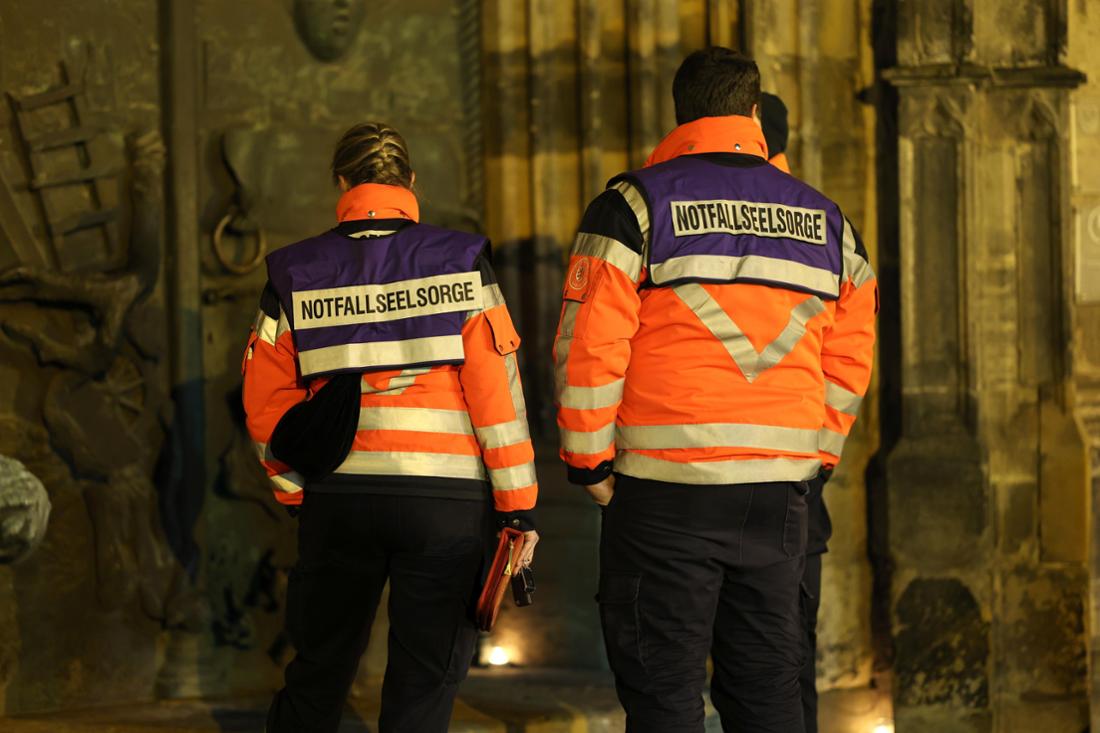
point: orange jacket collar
(378, 201)
(780, 162)
(732, 134)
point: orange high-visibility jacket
(702, 380)
(433, 430)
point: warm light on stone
(498, 656)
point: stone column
(987, 497)
(1083, 52)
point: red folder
(505, 564)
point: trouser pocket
(795, 526)
(620, 618)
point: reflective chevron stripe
(751, 363)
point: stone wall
(163, 568)
(987, 485)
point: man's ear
(412, 178)
(344, 185)
(756, 115)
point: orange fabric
(847, 354)
(493, 394)
(686, 376)
(780, 161)
(272, 386)
(377, 201)
(732, 134)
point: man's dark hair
(715, 82)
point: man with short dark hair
(716, 338)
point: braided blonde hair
(372, 152)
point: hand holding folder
(505, 566)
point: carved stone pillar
(987, 495)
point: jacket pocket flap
(505, 337)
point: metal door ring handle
(238, 268)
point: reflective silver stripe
(514, 431)
(284, 324)
(515, 387)
(563, 345)
(407, 463)
(491, 296)
(502, 434)
(588, 443)
(637, 205)
(611, 251)
(749, 471)
(397, 384)
(417, 419)
(592, 398)
(371, 233)
(718, 322)
(263, 452)
(512, 478)
(404, 380)
(841, 399)
(717, 435)
(831, 442)
(723, 268)
(266, 327)
(858, 269)
(290, 482)
(381, 353)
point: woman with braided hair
(382, 392)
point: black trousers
(820, 530)
(431, 551)
(687, 571)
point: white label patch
(354, 304)
(748, 217)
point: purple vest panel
(374, 303)
(717, 223)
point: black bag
(314, 437)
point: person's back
(382, 391)
(716, 338)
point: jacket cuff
(589, 476)
(523, 520)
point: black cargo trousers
(820, 530)
(692, 570)
(432, 551)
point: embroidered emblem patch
(578, 276)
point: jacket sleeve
(848, 351)
(599, 317)
(272, 385)
(494, 398)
